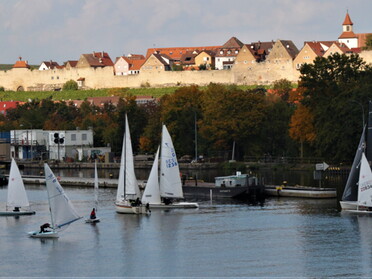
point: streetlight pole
(362, 110)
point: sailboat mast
(50, 208)
(196, 139)
(369, 133)
(125, 153)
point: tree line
(322, 117)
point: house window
(52, 77)
(73, 137)
(57, 77)
(84, 137)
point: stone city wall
(246, 74)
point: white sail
(95, 185)
(127, 184)
(17, 196)
(62, 211)
(151, 194)
(170, 180)
(365, 183)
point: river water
(280, 238)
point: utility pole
(58, 140)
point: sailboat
(128, 193)
(62, 212)
(94, 220)
(364, 203)
(350, 195)
(161, 193)
(17, 197)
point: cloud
(64, 29)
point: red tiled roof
(136, 56)
(347, 20)
(317, 47)
(233, 42)
(21, 64)
(347, 35)
(72, 63)
(290, 47)
(98, 59)
(4, 106)
(136, 64)
(176, 52)
(51, 64)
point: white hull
(174, 205)
(15, 213)
(125, 208)
(37, 234)
(91, 221)
(348, 205)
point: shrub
(2, 89)
(70, 85)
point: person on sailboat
(148, 207)
(138, 202)
(93, 214)
(16, 209)
(43, 227)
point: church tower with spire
(348, 37)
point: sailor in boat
(16, 209)
(148, 208)
(167, 201)
(93, 214)
(137, 202)
(43, 227)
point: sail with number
(170, 180)
(365, 184)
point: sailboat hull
(12, 213)
(91, 221)
(37, 234)
(174, 205)
(348, 205)
(126, 208)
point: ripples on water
(282, 238)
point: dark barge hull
(242, 192)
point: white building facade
(54, 145)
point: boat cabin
(236, 180)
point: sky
(61, 30)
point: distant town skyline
(61, 30)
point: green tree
(232, 115)
(70, 85)
(329, 85)
(274, 132)
(283, 87)
(178, 112)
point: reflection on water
(283, 238)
